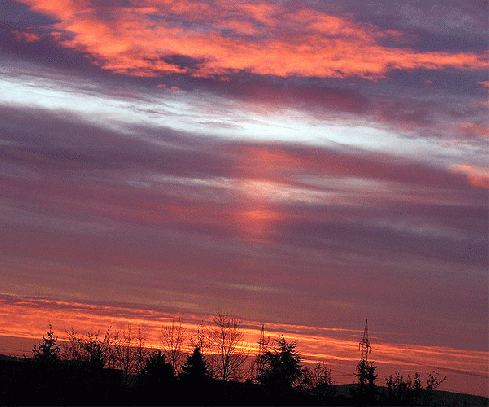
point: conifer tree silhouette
(281, 366)
(195, 368)
(47, 351)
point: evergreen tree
(280, 367)
(195, 368)
(366, 379)
(156, 368)
(47, 351)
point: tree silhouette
(201, 338)
(227, 338)
(47, 351)
(317, 381)
(402, 391)
(399, 391)
(366, 379)
(43, 378)
(366, 373)
(432, 382)
(91, 348)
(195, 368)
(129, 353)
(172, 339)
(281, 366)
(417, 388)
(156, 372)
(117, 369)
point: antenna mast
(262, 347)
(364, 345)
(262, 343)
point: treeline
(116, 368)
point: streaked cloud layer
(299, 164)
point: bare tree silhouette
(227, 340)
(129, 353)
(173, 339)
(90, 348)
(317, 381)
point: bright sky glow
(182, 111)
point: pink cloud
(477, 177)
(229, 37)
(27, 36)
(474, 130)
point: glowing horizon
(336, 347)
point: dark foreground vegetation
(117, 369)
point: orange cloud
(475, 176)
(26, 36)
(231, 36)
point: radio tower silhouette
(263, 342)
(364, 345)
(262, 348)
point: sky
(300, 164)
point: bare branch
(172, 339)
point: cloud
(402, 105)
(478, 177)
(475, 130)
(267, 39)
(26, 36)
(275, 159)
(83, 195)
(314, 96)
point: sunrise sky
(301, 164)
